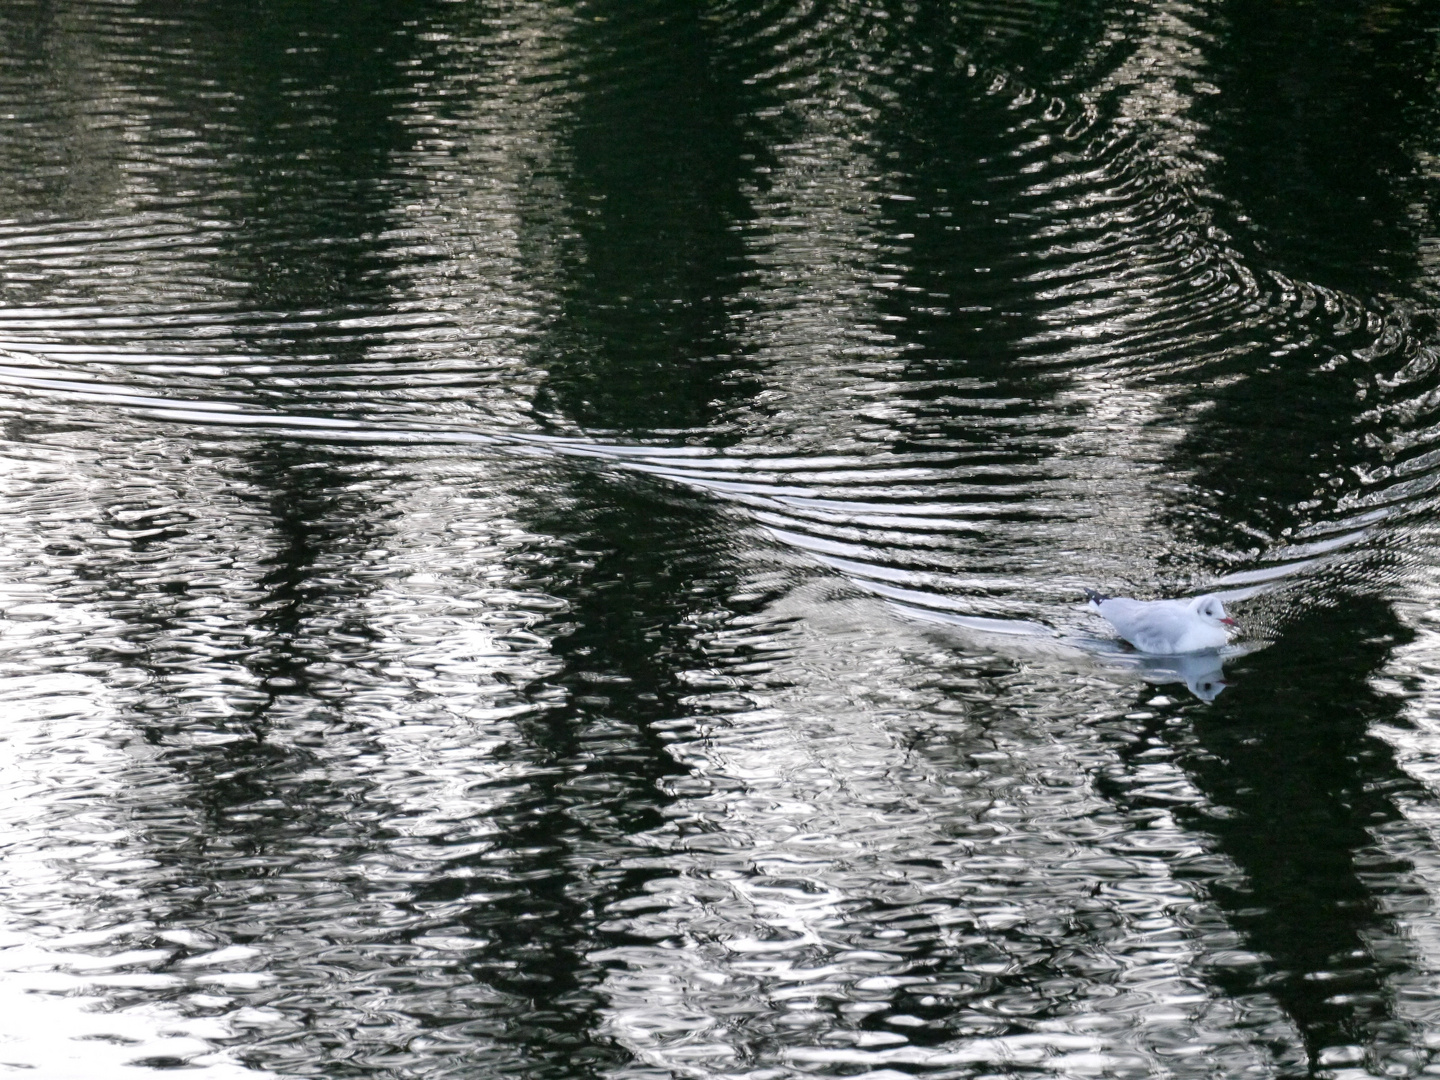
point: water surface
(546, 540)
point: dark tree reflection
(1296, 789)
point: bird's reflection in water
(1202, 673)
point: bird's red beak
(1229, 622)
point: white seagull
(1165, 627)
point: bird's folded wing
(1151, 627)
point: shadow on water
(1299, 787)
(1295, 787)
(1314, 168)
(639, 581)
(1313, 164)
(307, 145)
(1319, 114)
(1234, 511)
(310, 186)
(275, 842)
(656, 160)
(962, 309)
(959, 308)
(640, 342)
(309, 141)
(66, 155)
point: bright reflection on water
(547, 540)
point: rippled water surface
(546, 539)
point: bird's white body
(1167, 627)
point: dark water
(545, 540)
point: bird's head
(1211, 609)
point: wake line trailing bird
(1165, 627)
